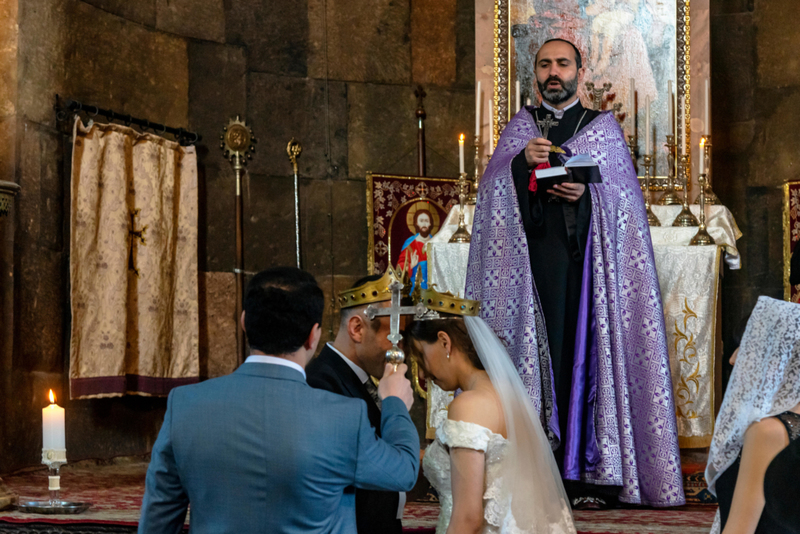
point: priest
(567, 278)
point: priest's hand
(395, 384)
(569, 191)
(537, 151)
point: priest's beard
(557, 96)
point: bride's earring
(448, 355)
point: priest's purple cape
(621, 423)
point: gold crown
(371, 292)
(449, 303)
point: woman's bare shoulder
(479, 407)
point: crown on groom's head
(371, 292)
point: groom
(261, 451)
(345, 367)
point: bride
(490, 463)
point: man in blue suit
(261, 451)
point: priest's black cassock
(556, 232)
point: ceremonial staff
(293, 149)
(238, 146)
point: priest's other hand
(395, 384)
(537, 151)
(568, 191)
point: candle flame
(52, 397)
(702, 142)
(461, 138)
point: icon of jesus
(413, 258)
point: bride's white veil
(533, 484)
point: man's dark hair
(346, 313)
(578, 58)
(281, 306)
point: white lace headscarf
(765, 380)
(532, 485)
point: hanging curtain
(133, 263)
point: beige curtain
(133, 263)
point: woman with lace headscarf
(759, 417)
(491, 462)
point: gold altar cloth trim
(689, 280)
(133, 263)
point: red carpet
(116, 489)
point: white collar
(263, 358)
(362, 374)
(559, 113)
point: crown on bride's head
(449, 303)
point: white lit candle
(675, 113)
(702, 155)
(519, 98)
(53, 425)
(707, 118)
(478, 110)
(490, 107)
(669, 106)
(647, 125)
(528, 102)
(682, 122)
(461, 153)
(632, 105)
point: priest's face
(423, 223)
(556, 72)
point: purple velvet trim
(127, 384)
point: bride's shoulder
(478, 407)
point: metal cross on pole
(546, 124)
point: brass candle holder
(652, 220)
(685, 218)
(705, 146)
(472, 198)
(670, 196)
(633, 146)
(702, 237)
(461, 235)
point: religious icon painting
(403, 214)
(791, 236)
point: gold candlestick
(702, 237)
(670, 197)
(633, 146)
(685, 217)
(461, 235)
(711, 197)
(652, 220)
(472, 198)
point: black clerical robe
(556, 232)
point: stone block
(777, 40)
(349, 227)
(726, 7)
(192, 18)
(280, 108)
(218, 356)
(450, 113)
(776, 150)
(269, 238)
(217, 90)
(465, 42)
(733, 74)
(141, 11)
(433, 42)
(369, 43)
(8, 58)
(275, 34)
(381, 129)
(315, 226)
(146, 76)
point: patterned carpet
(116, 487)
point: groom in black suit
(345, 367)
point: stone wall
(339, 79)
(755, 87)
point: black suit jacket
(376, 511)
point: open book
(578, 160)
(580, 168)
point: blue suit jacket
(261, 451)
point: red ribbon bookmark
(532, 185)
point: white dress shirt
(363, 376)
(263, 358)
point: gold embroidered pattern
(684, 395)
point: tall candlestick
(53, 425)
(519, 98)
(647, 125)
(682, 120)
(632, 105)
(478, 110)
(671, 110)
(461, 153)
(675, 112)
(707, 117)
(490, 107)
(702, 155)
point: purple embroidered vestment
(621, 423)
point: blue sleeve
(165, 501)
(389, 463)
